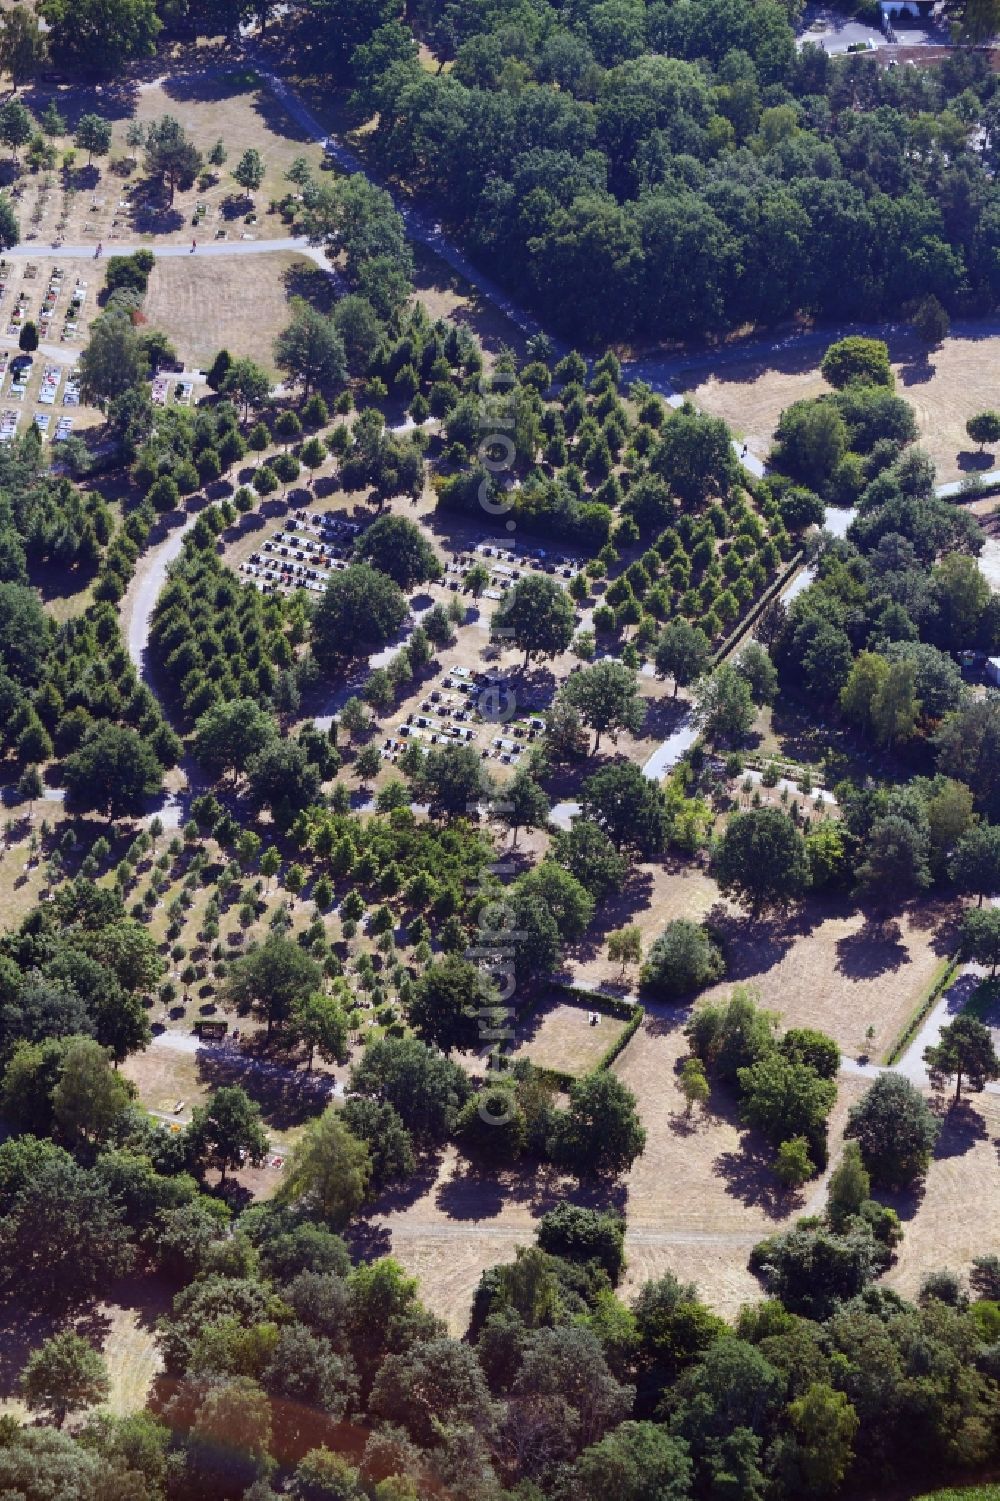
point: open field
(945, 388)
(835, 969)
(107, 201)
(561, 1036)
(958, 1215)
(696, 1202)
(239, 304)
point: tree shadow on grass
(277, 119)
(208, 87)
(941, 918)
(616, 912)
(875, 949)
(368, 1242)
(905, 1201)
(286, 1097)
(970, 461)
(664, 1017)
(396, 1197)
(917, 369)
(478, 1190)
(312, 284)
(961, 1127)
(752, 946)
(156, 219)
(664, 715)
(749, 1177)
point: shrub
(684, 959)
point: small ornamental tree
(625, 947)
(930, 321)
(694, 1084)
(93, 135)
(249, 170)
(984, 428)
(683, 960)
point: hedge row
(608, 1005)
(939, 985)
(756, 610)
(597, 1000)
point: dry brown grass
(561, 1037)
(238, 303)
(164, 1078)
(87, 204)
(753, 405)
(130, 1351)
(22, 878)
(945, 388)
(957, 1217)
(653, 897)
(696, 1202)
(122, 1327)
(833, 969)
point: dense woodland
(648, 170)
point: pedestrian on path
(194, 246)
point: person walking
(194, 246)
(99, 251)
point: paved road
(145, 589)
(37, 250)
(405, 1229)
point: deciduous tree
(536, 616)
(895, 1130)
(228, 1129)
(606, 696)
(64, 1375)
(761, 860)
(328, 1171)
(964, 1049)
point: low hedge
(938, 986)
(608, 1005)
(757, 609)
(622, 1040)
(598, 1000)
